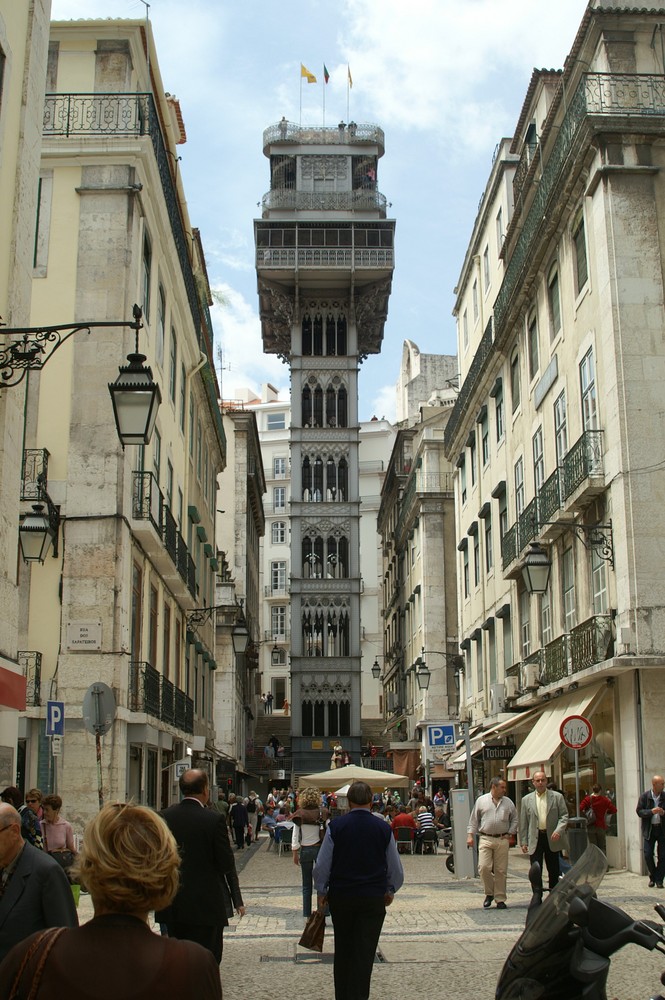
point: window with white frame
(546, 617)
(489, 555)
(465, 330)
(476, 559)
(568, 589)
(161, 327)
(599, 583)
(515, 381)
(465, 566)
(485, 438)
(474, 297)
(157, 455)
(279, 468)
(554, 302)
(503, 515)
(538, 460)
(499, 415)
(588, 392)
(525, 623)
(519, 486)
(462, 481)
(278, 576)
(276, 421)
(146, 276)
(532, 344)
(278, 532)
(499, 231)
(581, 265)
(173, 366)
(486, 269)
(278, 621)
(279, 498)
(472, 459)
(560, 428)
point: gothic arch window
(343, 480)
(317, 481)
(342, 408)
(306, 479)
(331, 335)
(317, 414)
(319, 718)
(331, 479)
(333, 718)
(307, 334)
(331, 406)
(318, 335)
(341, 335)
(307, 718)
(312, 558)
(345, 718)
(337, 558)
(307, 407)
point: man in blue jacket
(357, 872)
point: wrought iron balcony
(147, 500)
(556, 660)
(34, 474)
(549, 496)
(584, 459)
(290, 258)
(191, 575)
(167, 713)
(529, 154)
(143, 688)
(30, 661)
(325, 201)
(323, 135)
(171, 534)
(184, 712)
(509, 546)
(591, 642)
(477, 365)
(527, 524)
(182, 557)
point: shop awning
(543, 742)
(493, 732)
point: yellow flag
(306, 73)
(348, 70)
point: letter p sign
(55, 718)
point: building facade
(324, 258)
(23, 56)
(560, 313)
(135, 552)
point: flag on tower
(326, 74)
(348, 70)
(306, 73)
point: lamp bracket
(598, 537)
(32, 346)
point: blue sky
(445, 79)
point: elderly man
(34, 890)
(494, 821)
(651, 810)
(543, 822)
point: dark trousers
(239, 834)
(552, 859)
(654, 855)
(357, 921)
(211, 937)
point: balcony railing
(147, 500)
(527, 524)
(591, 642)
(155, 695)
(291, 258)
(460, 408)
(171, 534)
(34, 475)
(325, 201)
(30, 661)
(549, 497)
(191, 575)
(509, 546)
(584, 459)
(143, 688)
(322, 135)
(555, 662)
(182, 558)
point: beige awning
(544, 742)
(500, 729)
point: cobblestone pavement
(436, 931)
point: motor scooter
(565, 949)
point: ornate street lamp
(240, 634)
(135, 397)
(536, 569)
(36, 533)
(376, 670)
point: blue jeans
(307, 859)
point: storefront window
(596, 762)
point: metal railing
(460, 408)
(325, 201)
(167, 713)
(323, 135)
(591, 642)
(191, 575)
(182, 558)
(527, 524)
(30, 662)
(184, 712)
(171, 534)
(147, 500)
(143, 689)
(34, 474)
(549, 496)
(509, 546)
(556, 660)
(584, 459)
(324, 257)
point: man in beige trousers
(494, 821)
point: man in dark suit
(651, 810)
(34, 890)
(543, 823)
(358, 872)
(208, 880)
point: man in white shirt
(494, 821)
(543, 822)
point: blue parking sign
(442, 735)
(55, 718)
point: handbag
(312, 935)
(64, 858)
(590, 816)
(248, 838)
(38, 952)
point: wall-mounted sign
(84, 635)
(499, 752)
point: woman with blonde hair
(129, 864)
(309, 827)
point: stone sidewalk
(436, 932)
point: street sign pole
(576, 733)
(98, 715)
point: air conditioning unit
(511, 687)
(531, 676)
(497, 698)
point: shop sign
(497, 751)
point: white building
(561, 321)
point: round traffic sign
(575, 732)
(98, 708)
